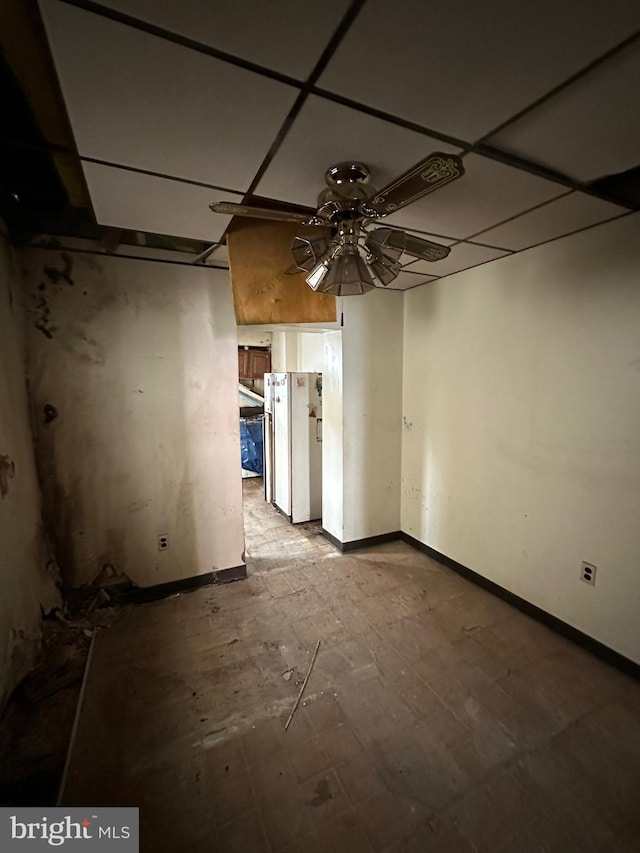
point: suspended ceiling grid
(173, 106)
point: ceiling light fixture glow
(317, 276)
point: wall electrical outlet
(588, 573)
(163, 541)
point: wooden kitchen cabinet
(253, 363)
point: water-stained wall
(27, 570)
(133, 379)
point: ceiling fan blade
(393, 242)
(384, 254)
(430, 174)
(427, 250)
(389, 242)
(232, 209)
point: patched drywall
(27, 571)
(133, 375)
(521, 451)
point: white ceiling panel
(489, 192)
(407, 280)
(588, 130)
(562, 216)
(463, 255)
(288, 36)
(142, 101)
(464, 68)
(131, 200)
(325, 133)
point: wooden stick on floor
(304, 684)
(76, 721)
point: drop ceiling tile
(130, 200)
(489, 192)
(276, 35)
(463, 255)
(142, 101)
(406, 280)
(464, 68)
(561, 216)
(588, 130)
(325, 133)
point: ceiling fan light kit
(307, 251)
(345, 274)
(356, 259)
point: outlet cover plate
(588, 573)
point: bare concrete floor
(437, 718)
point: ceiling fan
(357, 257)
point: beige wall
(249, 336)
(310, 352)
(372, 361)
(332, 436)
(521, 451)
(140, 361)
(284, 352)
(27, 569)
(362, 410)
(297, 351)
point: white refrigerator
(293, 444)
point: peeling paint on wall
(7, 472)
(28, 574)
(55, 275)
(52, 278)
(50, 413)
(43, 315)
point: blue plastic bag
(251, 446)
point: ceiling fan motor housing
(347, 190)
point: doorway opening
(281, 432)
